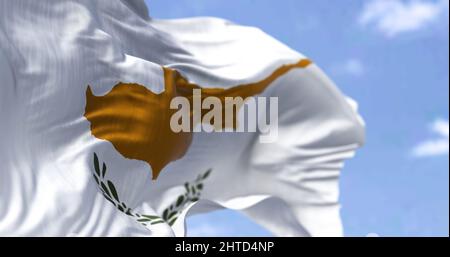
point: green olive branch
(170, 214)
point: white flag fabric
(84, 145)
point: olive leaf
(113, 190)
(180, 200)
(172, 221)
(172, 215)
(151, 216)
(109, 199)
(103, 170)
(144, 220)
(165, 214)
(157, 222)
(207, 173)
(96, 179)
(105, 189)
(96, 165)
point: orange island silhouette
(137, 121)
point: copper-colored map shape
(137, 121)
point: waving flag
(93, 142)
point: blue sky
(392, 57)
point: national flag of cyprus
(116, 124)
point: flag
(109, 125)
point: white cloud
(206, 229)
(392, 17)
(353, 67)
(437, 146)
